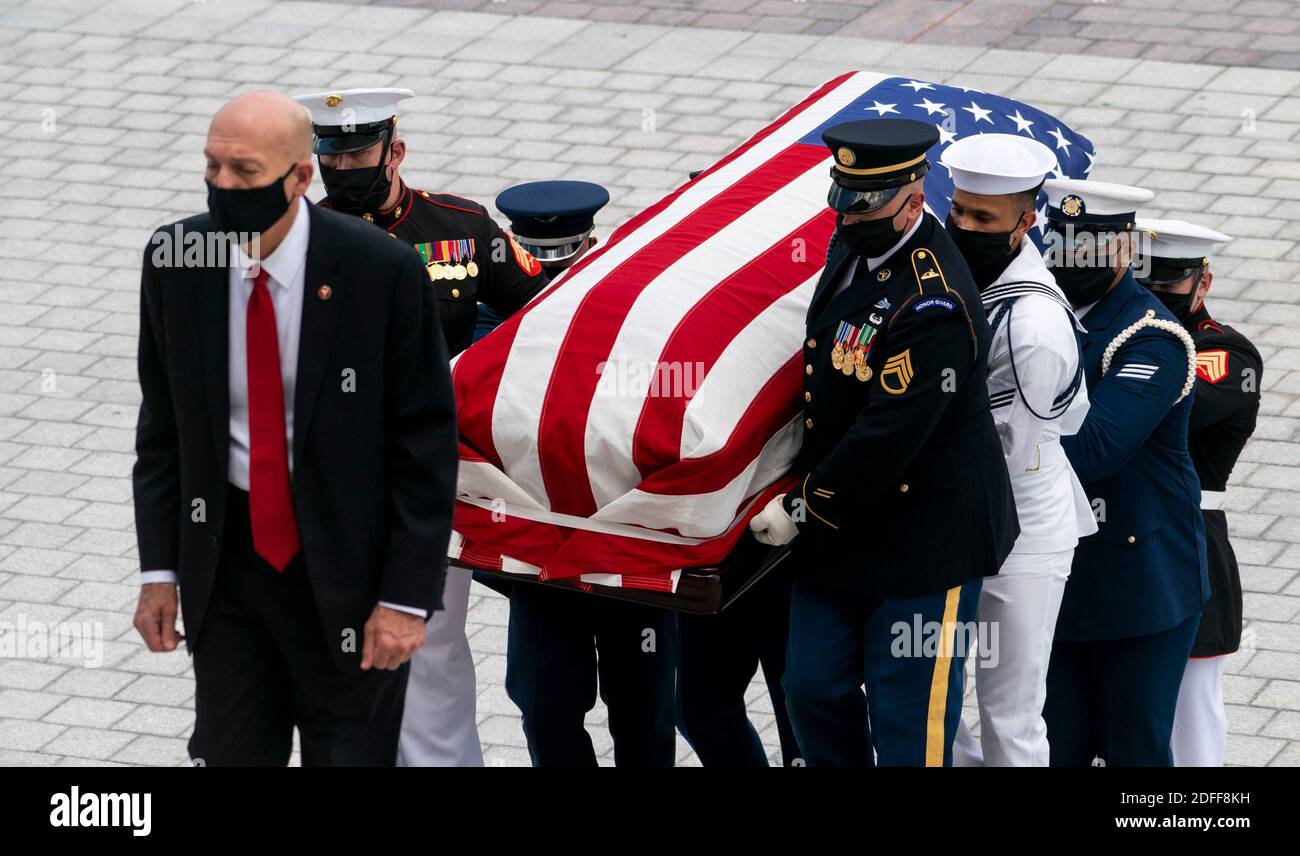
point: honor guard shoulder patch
(897, 373)
(1212, 366)
(933, 302)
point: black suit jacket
(906, 491)
(374, 442)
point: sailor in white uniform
(1037, 394)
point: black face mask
(358, 190)
(248, 209)
(1083, 285)
(872, 238)
(987, 254)
(1179, 304)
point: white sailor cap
(1178, 239)
(1175, 249)
(997, 164)
(1088, 203)
(347, 120)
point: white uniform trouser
(438, 726)
(1022, 602)
(1200, 737)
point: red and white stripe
(567, 473)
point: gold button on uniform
(807, 423)
(812, 343)
(455, 292)
(1132, 539)
(807, 396)
(903, 488)
(807, 370)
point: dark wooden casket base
(700, 591)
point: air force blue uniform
(1137, 586)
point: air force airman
(904, 504)
(1137, 586)
(1037, 394)
(564, 646)
(1228, 375)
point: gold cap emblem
(1071, 206)
(845, 156)
(333, 100)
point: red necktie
(275, 529)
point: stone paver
(103, 107)
(1231, 32)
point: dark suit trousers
(561, 643)
(719, 656)
(263, 666)
(1114, 699)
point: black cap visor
(1167, 271)
(847, 201)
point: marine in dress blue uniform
(904, 504)
(468, 259)
(1229, 371)
(1137, 586)
(565, 646)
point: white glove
(772, 525)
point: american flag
(631, 419)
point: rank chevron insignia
(897, 373)
(1212, 366)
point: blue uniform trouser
(562, 646)
(1114, 699)
(884, 675)
(719, 655)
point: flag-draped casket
(631, 419)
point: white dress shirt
(286, 268)
(874, 261)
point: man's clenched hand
(772, 525)
(391, 637)
(155, 617)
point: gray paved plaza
(103, 108)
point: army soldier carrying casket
(469, 259)
(1228, 373)
(904, 504)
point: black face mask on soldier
(1084, 286)
(248, 209)
(1179, 304)
(987, 254)
(872, 238)
(358, 190)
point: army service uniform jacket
(904, 489)
(469, 258)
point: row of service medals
(449, 259)
(852, 345)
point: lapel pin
(324, 292)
